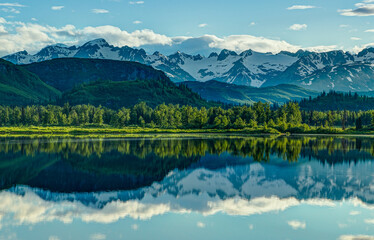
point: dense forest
(338, 101)
(184, 117)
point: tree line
(184, 117)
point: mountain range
(336, 70)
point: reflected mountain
(85, 165)
(241, 190)
(105, 180)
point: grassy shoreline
(105, 131)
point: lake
(314, 187)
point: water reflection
(107, 181)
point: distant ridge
(333, 70)
(235, 94)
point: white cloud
(252, 24)
(10, 10)
(241, 43)
(137, 22)
(57, 8)
(321, 48)
(357, 49)
(200, 225)
(370, 31)
(343, 25)
(99, 11)
(33, 36)
(34, 19)
(298, 27)
(98, 236)
(12, 5)
(250, 226)
(202, 25)
(355, 38)
(297, 224)
(300, 7)
(136, 2)
(362, 9)
(135, 227)
(2, 30)
(356, 237)
(120, 37)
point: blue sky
(190, 26)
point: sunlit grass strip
(107, 131)
(124, 131)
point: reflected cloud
(53, 238)
(369, 221)
(354, 213)
(356, 237)
(200, 225)
(29, 208)
(98, 236)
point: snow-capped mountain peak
(247, 68)
(100, 42)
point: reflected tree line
(82, 165)
(260, 149)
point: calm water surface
(225, 188)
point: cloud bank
(18, 36)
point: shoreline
(131, 132)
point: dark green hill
(66, 73)
(21, 87)
(237, 94)
(338, 101)
(128, 93)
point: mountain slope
(347, 77)
(235, 94)
(21, 87)
(66, 73)
(119, 94)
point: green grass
(107, 131)
(128, 131)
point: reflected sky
(187, 189)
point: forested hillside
(116, 95)
(66, 73)
(21, 87)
